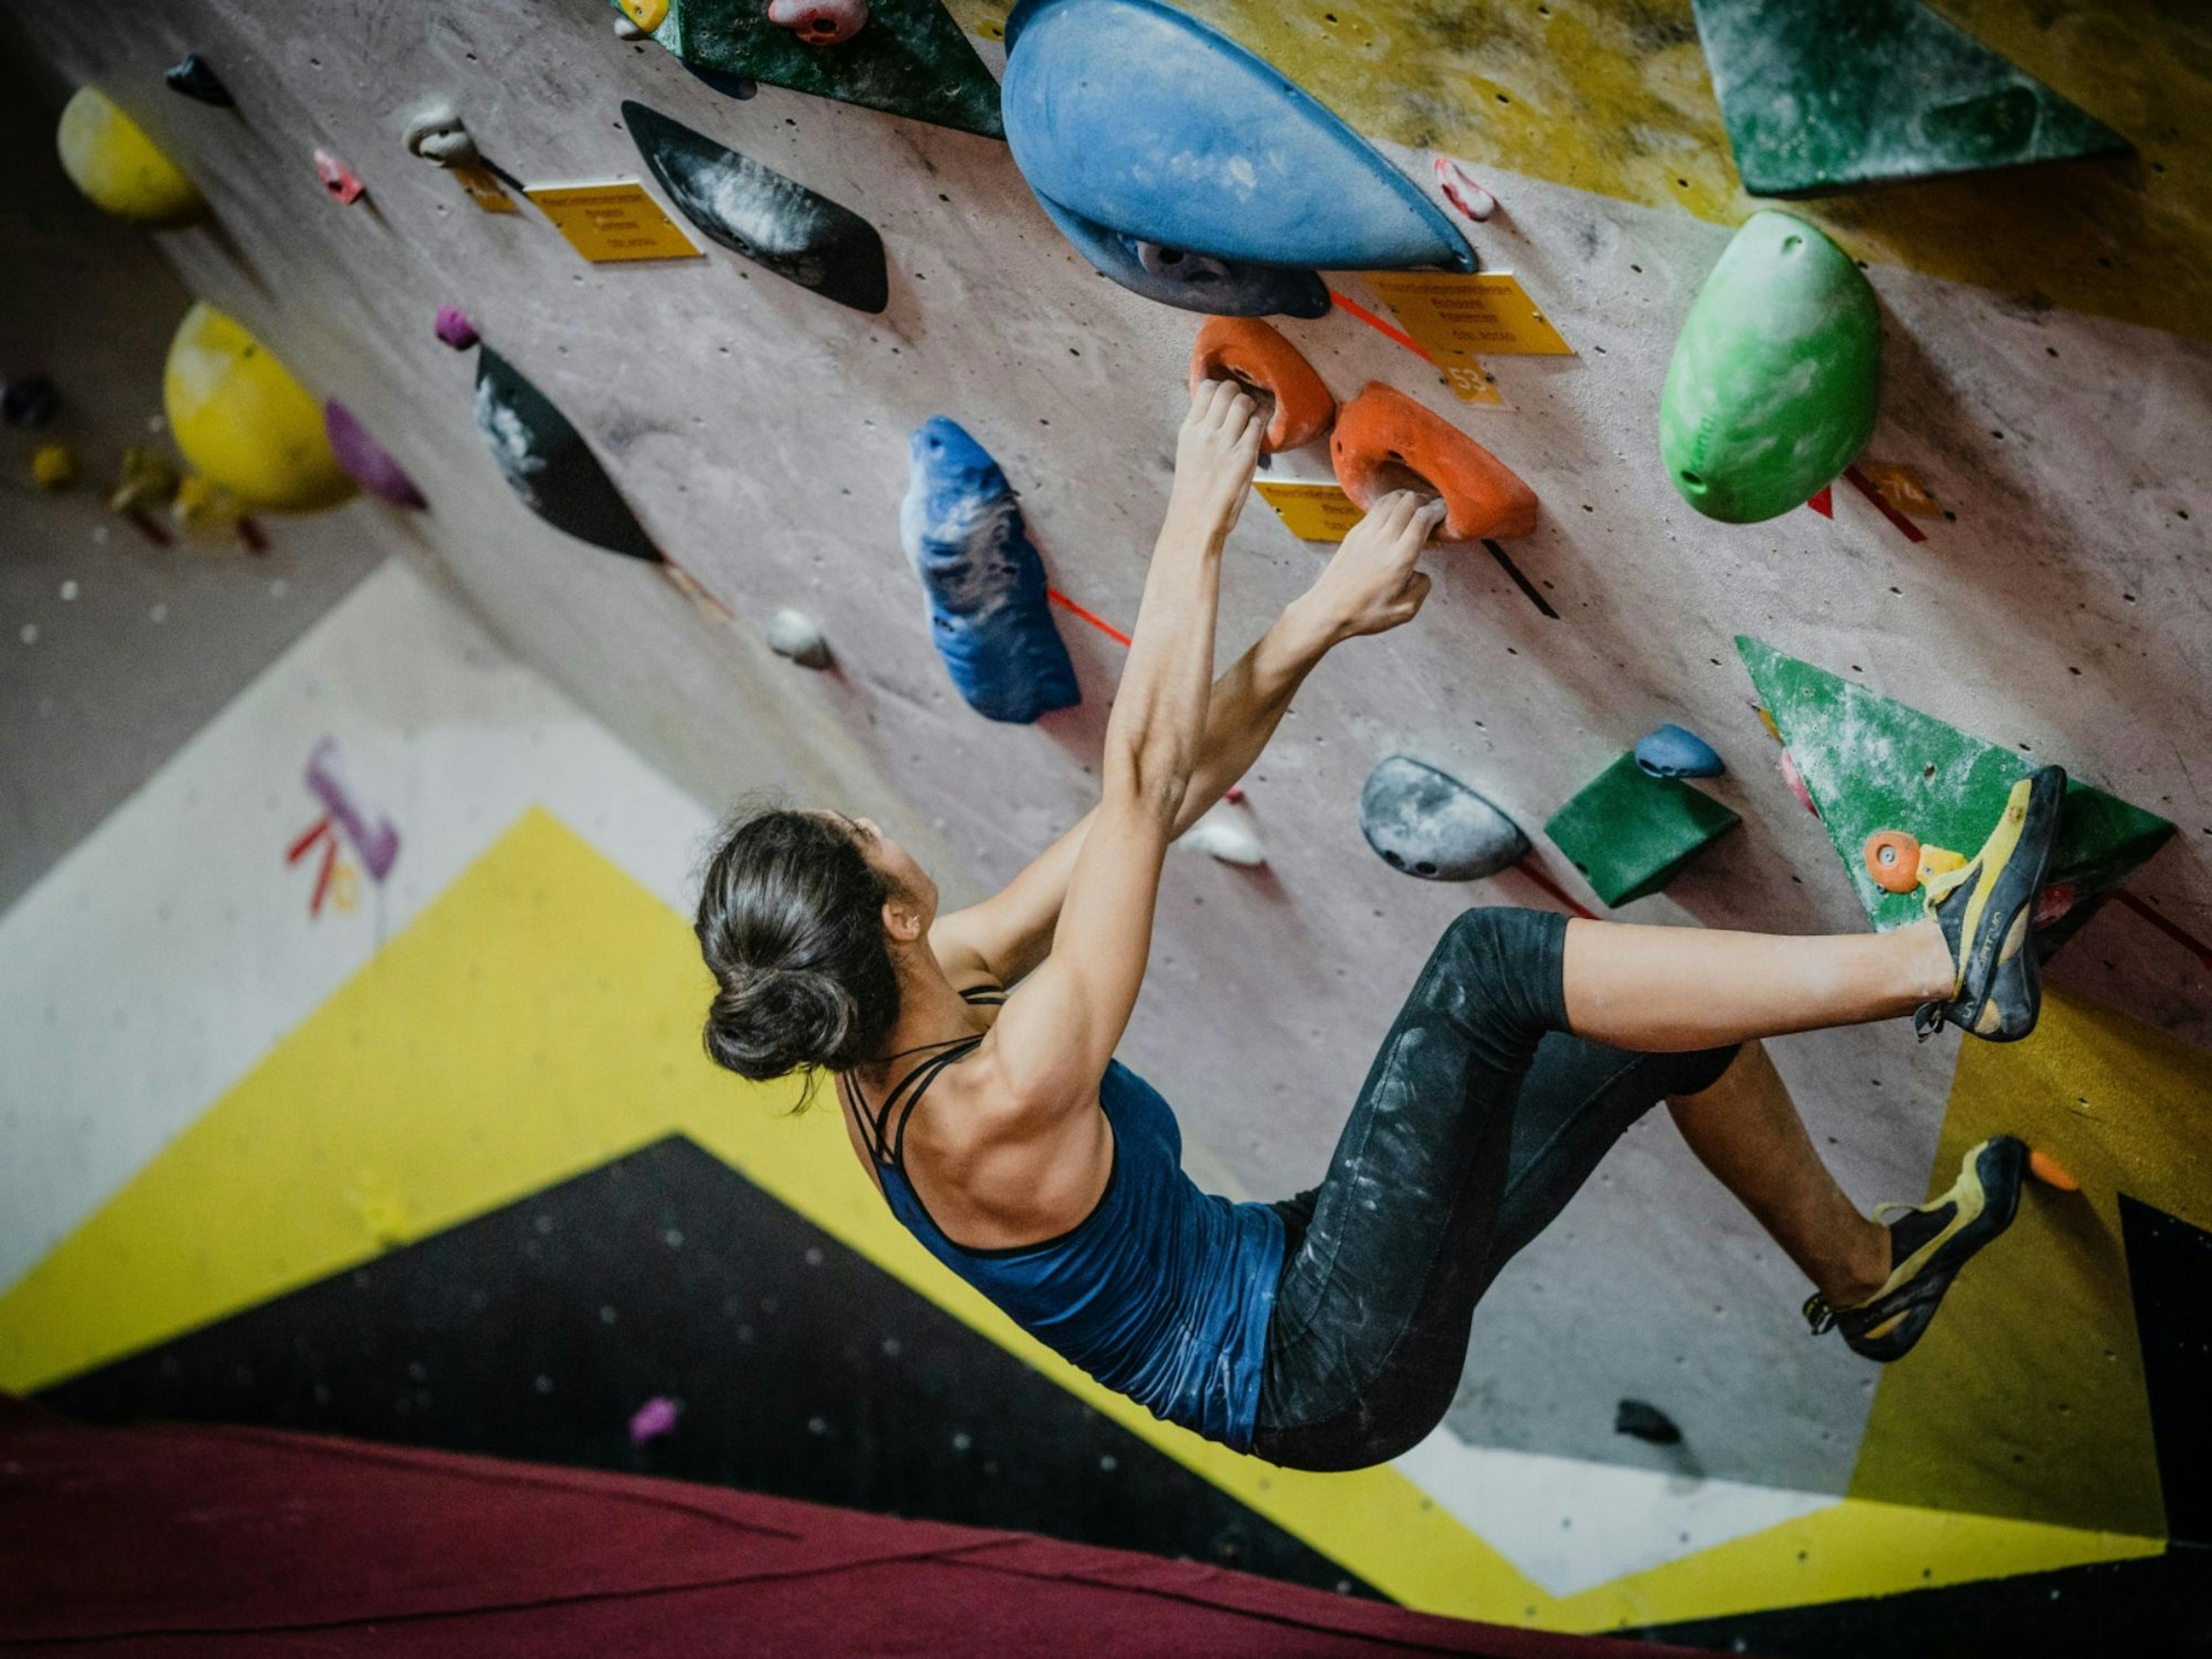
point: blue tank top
(1162, 1292)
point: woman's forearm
(1248, 703)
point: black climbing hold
(190, 75)
(547, 463)
(1646, 1422)
(755, 210)
(1191, 281)
(1430, 825)
(30, 402)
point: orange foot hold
(1382, 429)
(1257, 354)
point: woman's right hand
(1215, 454)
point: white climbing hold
(437, 134)
(626, 29)
(1229, 834)
(792, 634)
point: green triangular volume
(910, 58)
(1822, 95)
(1872, 764)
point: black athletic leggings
(1480, 1119)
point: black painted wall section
(2170, 1276)
(803, 1370)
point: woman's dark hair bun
(791, 925)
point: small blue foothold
(1673, 752)
(961, 529)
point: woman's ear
(902, 919)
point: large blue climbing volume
(988, 612)
(1131, 115)
(546, 462)
(1191, 281)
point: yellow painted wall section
(539, 1019)
(1613, 96)
(2027, 1397)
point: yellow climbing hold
(52, 466)
(108, 156)
(205, 511)
(244, 422)
(647, 15)
(143, 478)
(1938, 861)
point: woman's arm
(1369, 587)
(1057, 1032)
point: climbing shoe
(1985, 908)
(1928, 1244)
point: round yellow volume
(647, 15)
(244, 422)
(108, 156)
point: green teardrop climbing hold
(1773, 383)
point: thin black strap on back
(887, 1144)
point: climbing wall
(2045, 373)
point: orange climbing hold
(1382, 430)
(2049, 1171)
(1892, 859)
(1256, 353)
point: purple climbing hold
(366, 461)
(654, 1418)
(455, 329)
(376, 841)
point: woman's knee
(1503, 965)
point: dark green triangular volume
(755, 210)
(910, 58)
(546, 462)
(1630, 834)
(1871, 763)
(1823, 95)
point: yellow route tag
(613, 221)
(1455, 315)
(484, 189)
(1311, 511)
(1902, 488)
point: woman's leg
(1478, 1121)
(1663, 990)
(1746, 1130)
(1972, 962)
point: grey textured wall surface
(760, 432)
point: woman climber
(974, 1052)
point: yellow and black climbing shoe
(1928, 1244)
(1983, 908)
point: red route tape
(1379, 326)
(2179, 935)
(1858, 481)
(1094, 620)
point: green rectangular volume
(1628, 832)
(1872, 764)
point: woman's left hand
(1371, 585)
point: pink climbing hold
(1796, 779)
(1462, 190)
(342, 183)
(455, 329)
(2052, 903)
(820, 22)
(366, 461)
(654, 1418)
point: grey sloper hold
(1430, 825)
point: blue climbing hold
(1194, 281)
(1428, 823)
(1131, 114)
(962, 531)
(1673, 752)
